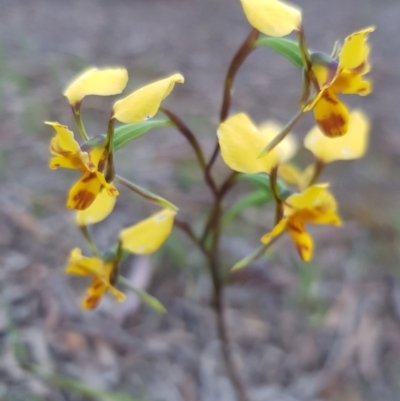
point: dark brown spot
(333, 125)
(359, 69)
(83, 199)
(295, 228)
(89, 177)
(330, 99)
(97, 285)
(92, 301)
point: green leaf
(77, 387)
(255, 198)
(261, 181)
(129, 132)
(285, 47)
(250, 258)
(145, 297)
(145, 193)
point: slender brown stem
(238, 59)
(243, 52)
(185, 227)
(215, 212)
(318, 168)
(273, 178)
(85, 232)
(223, 332)
(188, 134)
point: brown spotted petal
(331, 115)
(84, 192)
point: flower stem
(238, 59)
(275, 193)
(76, 111)
(318, 168)
(85, 232)
(188, 134)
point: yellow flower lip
(94, 81)
(272, 17)
(351, 146)
(145, 102)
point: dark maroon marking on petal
(97, 285)
(332, 125)
(295, 228)
(89, 177)
(83, 199)
(92, 301)
(330, 99)
(359, 69)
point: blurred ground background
(329, 330)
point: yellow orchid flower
(68, 154)
(344, 75)
(142, 238)
(241, 142)
(101, 273)
(144, 103)
(351, 146)
(315, 205)
(272, 17)
(105, 82)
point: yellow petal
(325, 74)
(302, 240)
(331, 115)
(352, 84)
(355, 51)
(110, 81)
(351, 146)
(97, 211)
(108, 187)
(293, 176)
(272, 17)
(145, 102)
(84, 192)
(316, 196)
(289, 173)
(241, 142)
(277, 230)
(148, 235)
(81, 265)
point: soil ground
(329, 330)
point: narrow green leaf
(285, 47)
(250, 258)
(76, 386)
(129, 132)
(146, 193)
(255, 198)
(145, 297)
